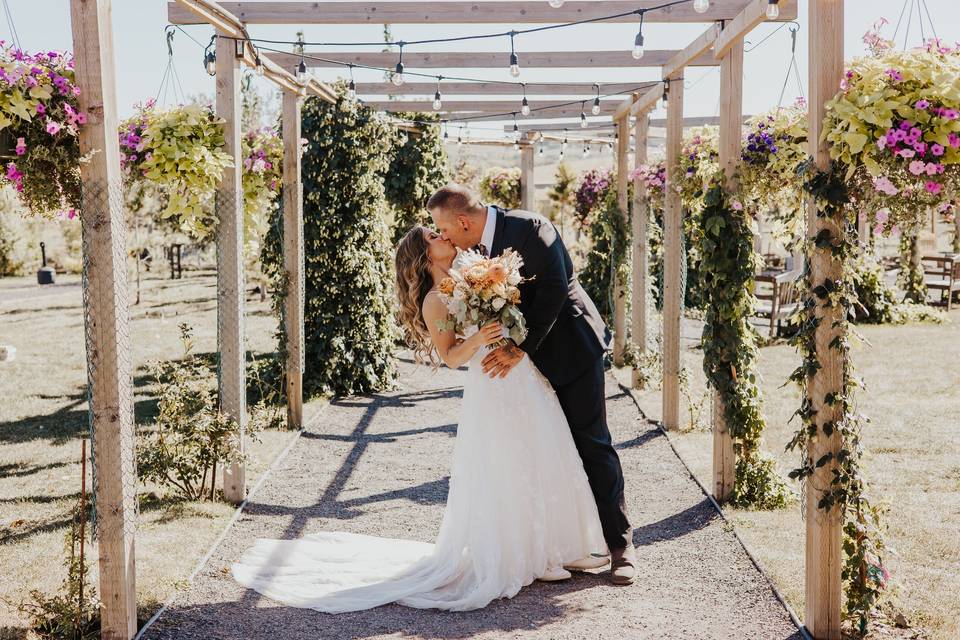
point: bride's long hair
(414, 282)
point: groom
(566, 340)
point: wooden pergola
(721, 43)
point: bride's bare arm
(453, 351)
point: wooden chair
(942, 273)
(776, 295)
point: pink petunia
(917, 167)
(21, 147)
(53, 127)
(737, 206)
(81, 117)
(899, 135)
(41, 108)
(907, 153)
(933, 188)
(882, 215)
(883, 185)
(882, 143)
(954, 140)
(922, 104)
(895, 75)
(920, 147)
(951, 114)
(933, 168)
(877, 229)
(936, 149)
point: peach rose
(446, 286)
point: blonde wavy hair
(414, 282)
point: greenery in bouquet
(593, 188)
(501, 186)
(39, 125)
(182, 150)
(895, 126)
(773, 150)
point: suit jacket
(566, 333)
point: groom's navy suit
(566, 341)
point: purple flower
(21, 147)
(922, 104)
(53, 127)
(894, 75)
(954, 140)
(905, 125)
(951, 114)
(934, 188)
(917, 167)
(41, 109)
(936, 149)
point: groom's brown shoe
(623, 566)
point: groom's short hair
(454, 198)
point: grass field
(912, 463)
(43, 416)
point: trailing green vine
(863, 573)
(729, 343)
(609, 254)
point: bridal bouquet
(480, 290)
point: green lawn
(43, 416)
(912, 462)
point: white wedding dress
(519, 504)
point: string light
(596, 102)
(437, 104)
(524, 105)
(666, 93)
(352, 87)
(210, 58)
(586, 150)
(516, 129)
(638, 41)
(514, 59)
(397, 78)
(563, 145)
(701, 6)
(540, 150)
(459, 141)
(556, 4)
(302, 67)
(773, 9)
(583, 116)
(258, 64)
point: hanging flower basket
(181, 150)
(501, 186)
(895, 126)
(39, 126)
(591, 192)
(262, 176)
(653, 177)
(698, 163)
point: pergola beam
(502, 12)
(752, 15)
(452, 88)
(482, 60)
(700, 45)
(490, 109)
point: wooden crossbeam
(486, 12)
(484, 60)
(494, 88)
(574, 126)
(487, 106)
(699, 46)
(752, 15)
(648, 101)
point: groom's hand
(499, 362)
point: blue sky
(141, 54)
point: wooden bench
(942, 273)
(776, 294)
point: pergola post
(528, 185)
(731, 119)
(672, 256)
(619, 295)
(638, 324)
(106, 317)
(230, 277)
(293, 257)
(823, 540)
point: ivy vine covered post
(106, 317)
(619, 292)
(293, 257)
(672, 255)
(230, 280)
(729, 146)
(825, 384)
(638, 320)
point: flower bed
(40, 116)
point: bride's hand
(490, 333)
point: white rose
(498, 303)
(513, 279)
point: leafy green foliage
(348, 320)
(418, 168)
(73, 613)
(910, 278)
(863, 572)
(608, 254)
(501, 186)
(730, 345)
(192, 436)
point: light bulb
(540, 152)
(258, 66)
(583, 120)
(773, 10)
(525, 107)
(586, 151)
(638, 47)
(210, 63)
(459, 141)
(596, 107)
(397, 78)
(352, 90)
(514, 65)
(700, 6)
(516, 146)
(436, 101)
(301, 71)
(556, 4)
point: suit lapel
(497, 247)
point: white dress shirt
(489, 229)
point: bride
(519, 506)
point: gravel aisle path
(379, 466)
